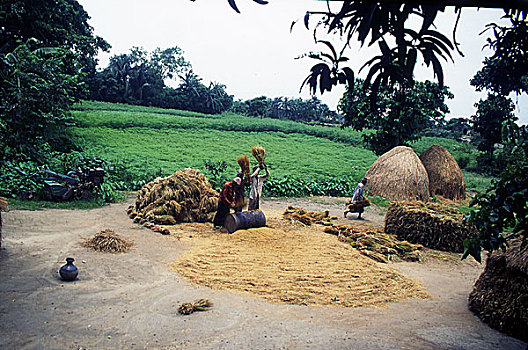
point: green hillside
(155, 141)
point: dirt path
(130, 300)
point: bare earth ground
(130, 300)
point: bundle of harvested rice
(307, 218)
(107, 241)
(377, 245)
(434, 225)
(398, 175)
(357, 206)
(197, 305)
(500, 295)
(445, 177)
(243, 162)
(185, 196)
(259, 153)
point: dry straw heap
(500, 295)
(300, 215)
(377, 245)
(398, 175)
(433, 225)
(185, 196)
(197, 305)
(445, 177)
(108, 241)
(259, 153)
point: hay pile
(377, 245)
(500, 295)
(197, 305)
(185, 196)
(433, 225)
(357, 206)
(398, 175)
(300, 215)
(259, 153)
(107, 241)
(445, 177)
(300, 266)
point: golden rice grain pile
(197, 305)
(259, 153)
(445, 177)
(300, 266)
(185, 196)
(243, 162)
(107, 241)
(300, 215)
(376, 244)
(433, 225)
(500, 295)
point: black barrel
(246, 219)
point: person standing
(226, 201)
(358, 196)
(256, 186)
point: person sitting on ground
(226, 201)
(256, 186)
(357, 196)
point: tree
(400, 115)
(492, 115)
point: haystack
(500, 295)
(398, 175)
(445, 177)
(185, 196)
(433, 225)
(108, 241)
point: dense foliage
(400, 114)
(296, 109)
(140, 77)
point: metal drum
(243, 220)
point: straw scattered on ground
(433, 225)
(197, 305)
(300, 265)
(302, 216)
(376, 244)
(108, 241)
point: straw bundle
(500, 295)
(434, 225)
(185, 196)
(197, 305)
(243, 162)
(398, 175)
(307, 218)
(445, 177)
(377, 245)
(259, 153)
(107, 241)
(357, 206)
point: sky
(254, 53)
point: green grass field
(159, 141)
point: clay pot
(69, 271)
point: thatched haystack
(185, 196)
(433, 225)
(398, 175)
(500, 295)
(445, 177)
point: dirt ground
(130, 301)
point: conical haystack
(398, 175)
(185, 196)
(445, 177)
(500, 295)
